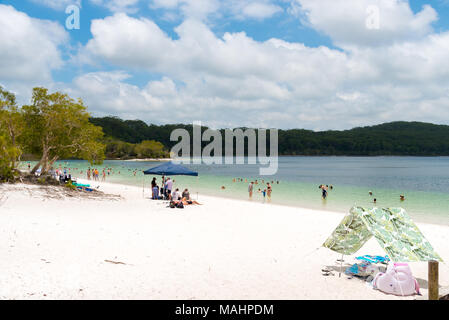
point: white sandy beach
(135, 248)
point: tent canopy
(171, 169)
(393, 229)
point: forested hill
(396, 138)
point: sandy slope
(225, 249)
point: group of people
(95, 175)
(63, 176)
(166, 192)
(325, 190)
(266, 192)
(401, 197)
(254, 182)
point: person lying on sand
(189, 202)
(185, 202)
(186, 199)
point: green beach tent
(393, 229)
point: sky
(313, 64)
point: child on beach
(264, 193)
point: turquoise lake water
(423, 181)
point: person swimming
(402, 197)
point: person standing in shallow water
(269, 190)
(324, 192)
(250, 189)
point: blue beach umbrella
(170, 169)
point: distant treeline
(147, 149)
(395, 138)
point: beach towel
(364, 269)
(374, 259)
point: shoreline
(422, 218)
(419, 204)
(274, 206)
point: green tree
(58, 127)
(150, 149)
(10, 130)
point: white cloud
(108, 92)
(260, 10)
(57, 4)
(275, 83)
(29, 49)
(129, 6)
(252, 9)
(202, 9)
(196, 9)
(345, 21)
(234, 80)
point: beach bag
(180, 205)
(172, 205)
(397, 280)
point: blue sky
(283, 63)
